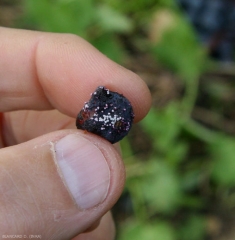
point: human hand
(56, 181)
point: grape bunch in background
(214, 22)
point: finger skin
(44, 71)
(34, 198)
(104, 231)
(22, 126)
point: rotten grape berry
(107, 114)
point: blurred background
(180, 159)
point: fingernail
(84, 169)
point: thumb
(58, 185)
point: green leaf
(163, 126)
(177, 153)
(179, 50)
(161, 187)
(157, 231)
(60, 16)
(193, 229)
(223, 156)
(113, 21)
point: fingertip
(60, 71)
(139, 95)
(74, 69)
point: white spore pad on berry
(107, 114)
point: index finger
(43, 71)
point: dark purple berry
(107, 114)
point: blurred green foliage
(93, 20)
(164, 187)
